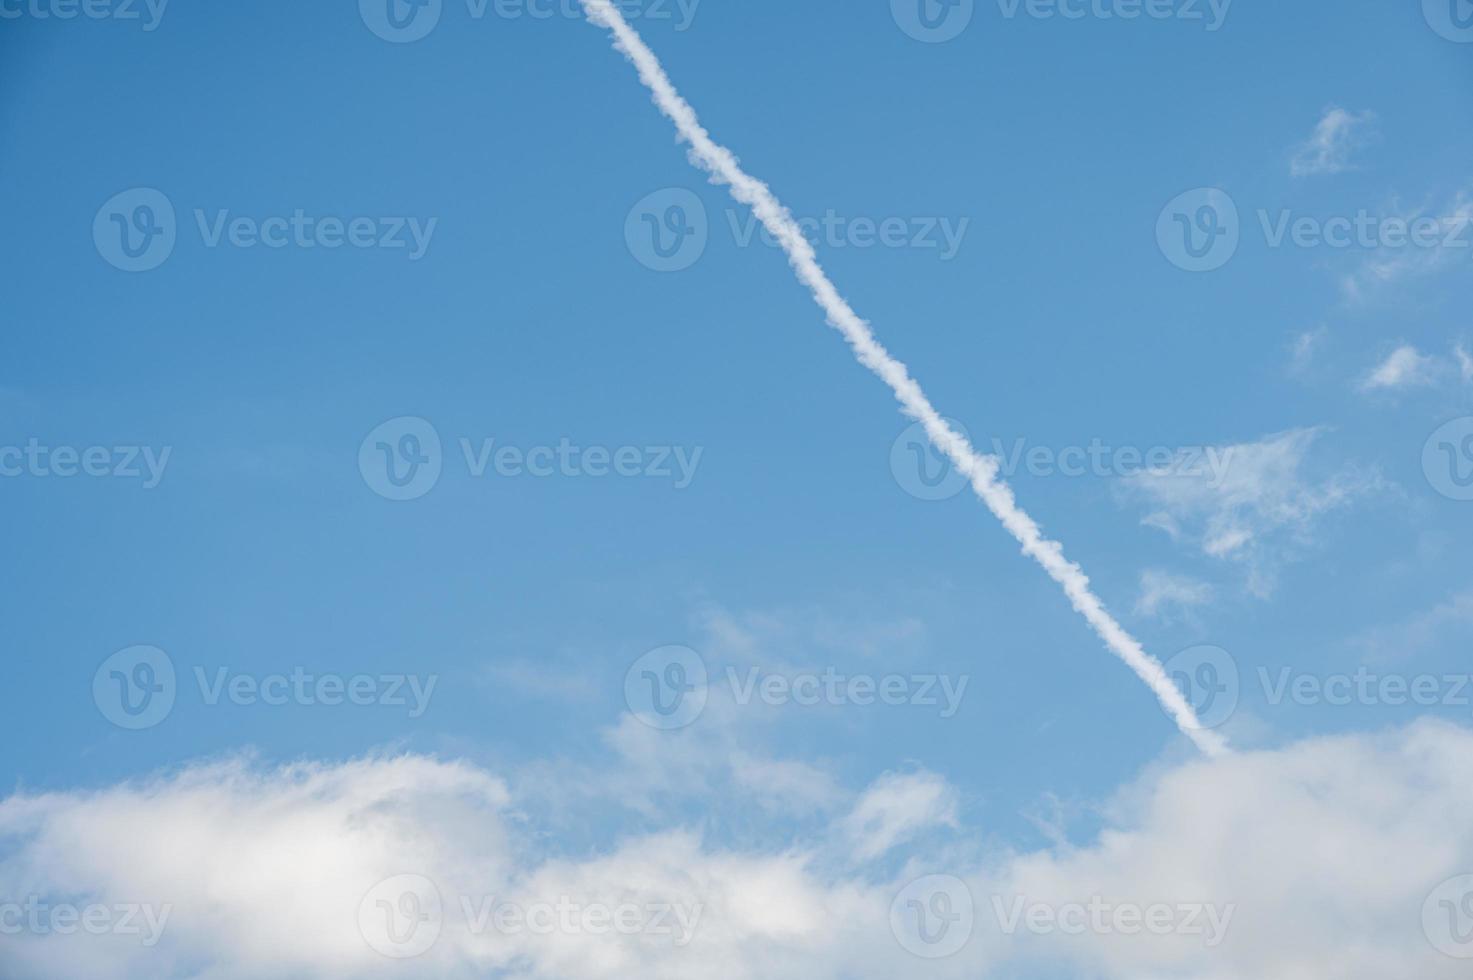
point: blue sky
(503, 169)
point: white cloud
(1319, 857)
(1260, 510)
(1162, 591)
(1406, 367)
(1305, 348)
(1388, 266)
(898, 807)
(1336, 137)
(1465, 362)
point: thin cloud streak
(981, 470)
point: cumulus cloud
(898, 807)
(1406, 367)
(1336, 137)
(1162, 592)
(1260, 511)
(1314, 861)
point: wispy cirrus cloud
(1163, 594)
(1263, 510)
(1336, 138)
(1437, 237)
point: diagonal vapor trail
(980, 469)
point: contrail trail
(980, 469)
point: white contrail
(981, 470)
